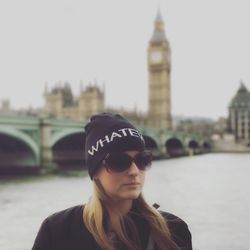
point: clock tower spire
(159, 77)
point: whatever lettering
(124, 132)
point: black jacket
(65, 230)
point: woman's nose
(133, 170)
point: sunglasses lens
(143, 160)
(120, 162)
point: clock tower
(159, 67)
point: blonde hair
(100, 219)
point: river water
(210, 192)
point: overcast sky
(105, 41)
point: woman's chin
(131, 195)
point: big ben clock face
(156, 56)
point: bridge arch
(206, 146)
(68, 148)
(193, 146)
(64, 133)
(21, 140)
(174, 147)
(151, 144)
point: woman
(116, 217)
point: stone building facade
(239, 115)
(61, 103)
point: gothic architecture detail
(61, 104)
(239, 115)
(159, 67)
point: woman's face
(126, 185)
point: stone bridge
(43, 143)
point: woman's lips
(132, 184)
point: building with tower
(159, 67)
(239, 115)
(61, 104)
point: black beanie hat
(106, 133)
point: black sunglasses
(119, 162)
